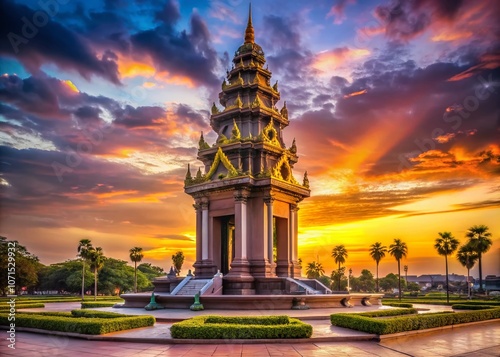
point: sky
(394, 106)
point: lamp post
(349, 280)
(406, 275)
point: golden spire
(249, 34)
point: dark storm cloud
(131, 117)
(36, 196)
(169, 13)
(51, 43)
(405, 19)
(188, 54)
(46, 108)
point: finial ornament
(202, 144)
(215, 110)
(235, 133)
(305, 183)
(249, 33)
(188, 174)
(293, 148)
(284, 111)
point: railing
(181, 285)
(214, 286)
(307, 288)
(316, 285)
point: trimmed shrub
(22, 305)
(471, 307)
(98, 314)
(384, 313)
(244, 320)
(399, 304)
(66, 322)
(220, 327)
(410, 323)
(94, 304)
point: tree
(26, 267)
(446, 245)
(398, 250)
(405, 268)
(117, 277)
(65, 277)
(339, 275)
(314, 270)
(467, 256)
(136, 256)
(150, 271)
(178, 260)
(84, 247)
(364, 282)
(96, 261)
(377, 252)
(339, 254)
(389, 282)
(480, 241)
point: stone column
(204, 230)
(294, 241)
(270, 227)
(239, 281)
(204, 266)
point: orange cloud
(489, 61)
(332, 59)
(71, 86)
(451, 36)
(355, 93)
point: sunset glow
(396, 123)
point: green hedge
(364, 323)
(98, 314)
(219, 327)
(399, 304)
(94, 304)
(5, 307)
(471, 307)
(442, 302)
(66, 322)
(388, 312)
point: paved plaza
(473, 340)
(479, 340)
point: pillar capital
(241, 196)
(269, 199)
(294, 208)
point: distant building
(492, 283)
(430, 281)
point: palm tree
(339, 254)
(480, 241)
(83, 252)
(314, 270)
(377, 252)
(96, 262)
(446, 245)
(467, 257)
(405, 268)
(136, 256)
(398, 250)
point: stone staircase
(193, 286)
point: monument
(247, 200)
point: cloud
(52, 43)
(337, 11)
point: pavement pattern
(479, 340)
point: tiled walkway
(474, 340)
(479, 340)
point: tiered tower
(246, 200)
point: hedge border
(18, 306)
(471, 307)
(89, 324)
(399, 304)
(222, 327)
(362, 322)
(94, 304)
